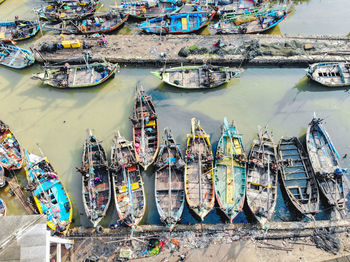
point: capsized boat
(325, 163)
(18, 30)
(169, 181)
(68, 10)
(262, 176)
(105, 23)
(145, 128)
(199, 175)
(298, 177)
(50, 197)
(250, 23)
(15, 57)
(182, 23)
(197, 77)
(2, 177)
(76, 76)
(331, 74)
(230, 171)
(3, 208)
(128, 186)
(11, 152)
(96, 186)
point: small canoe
(3, 208)
(11, 153)
(230, 171)
(18, 30)
(197, 77)
(96, 188)
(101, 24)
(182, 23)
(77, 76)
(251, 23)
(298, 177)
(2, 177)
(15, 57)
(145, 10)
(169, 181)
(331, 74)
(324, 160)
(128, 186)
(199, 175)
(262, 176)
(50, 197)
(145, 128)
(67, 10)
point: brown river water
(282, 98)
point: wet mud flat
(305, 240)
(292, 50)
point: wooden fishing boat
(169, 181)
(241, 7)
(148, 9)
(18, 30)
(68, 10)
(298, 177)
(230, 171)
(3, 208)
(197, 77)
(50, 197)
(331, 74)
(15, 57)
(145, 128)
(76, 76)
(105, 23)
(128, 186)
(182, 23)
(96, 186)
(199, 175)
(2, 177)
(262, 176)
(251, 23)
(11, 153)
(324, 161)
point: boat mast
(142, 146)
(169, 190)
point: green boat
(230, 171)
(77, 76)
(197, 77)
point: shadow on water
(307, 85)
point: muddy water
(57, 119)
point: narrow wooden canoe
(15, 57)
(2, 177)
(96, 186)
(145, 128)
(144, 10)
(230, 171)
(77, 76)
(11, 152)
(331, 74)
(18, 30)
(262, 176)
(324, 160)
(197, 77)
(101, 24)
(251, 23)
(298, 177)
(3, 208)
(182, 23)
(169, 181)
(128, 186)
(199, 175)
(49, 194)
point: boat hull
(330, 74)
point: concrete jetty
(231, 50)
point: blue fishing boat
(49, 194)
(230, 171)
(325, 163)
(3, 208)
(2, 177)
(183, 23)
(15, 57)
(18, 30)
